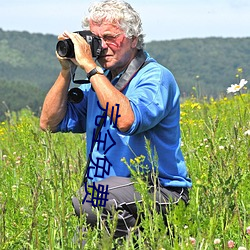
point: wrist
(89, 67)
(65, 73)
(97, 70)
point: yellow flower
(138, 160)
(240, 70)
(132, 162)
(195, 105)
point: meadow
(40, 172)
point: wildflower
(240, 70)
(132, 162)
(71, 167)
(248, 230)
(195, 106)
(247, 133)
(123, 159)
(192, 240)
(237, 87)
(230, 244)
(198, 182)
(216, 241)
(138, 159)
(242, 248)
(14, 188)
(45, 216)
(221, 147)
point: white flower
(242, 248)
(246, 133)
(22, 210)
(237, 87)
(217, 241)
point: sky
(162, 19)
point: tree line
(202, 67)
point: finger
(66, 33)
(75, 37)
(63, 36)
(70, 34)
(69, 60)
(59, 57)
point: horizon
(173, 39)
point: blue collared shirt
(154, 97)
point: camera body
(65, 48)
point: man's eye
(108, 37)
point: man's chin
(105, 63)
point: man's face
(118, 50)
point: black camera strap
(136, 64)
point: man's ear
(134, 42)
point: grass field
(40, 172)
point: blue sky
(162, 19)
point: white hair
(120, 13)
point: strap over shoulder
(136, 64)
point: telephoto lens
(65, 48)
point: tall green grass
(40, 172)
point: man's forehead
(104, 27)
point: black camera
(65, 48)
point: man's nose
(104, 44)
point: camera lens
(65, 48)
(75, 95)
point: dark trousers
(122, 197)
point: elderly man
(136, 98)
